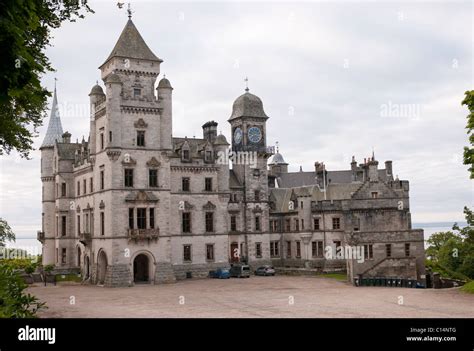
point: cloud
(324, 72)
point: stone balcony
(140, 235)
(40, 236)
(85, 238)
(233, 206)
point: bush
(14, 302)
(18, 263)
(30, 269)
(469, 287)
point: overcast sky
(336, 79)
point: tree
(6, 233)
(25, 32)
(469, 151)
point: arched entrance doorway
(102, 268)
(141, 265)
(86, 268)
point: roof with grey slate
(55, 129)
(131, 45)
(248, 105)
(296, 179)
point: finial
(373, 154)
(55, 80)
(164, 76)
(301, 168)
(246, 84)
(129, 11)
(278, 147)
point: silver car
(265, 270)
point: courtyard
(279, 296)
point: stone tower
(48, 163)
(249, 146)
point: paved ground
(281, 296)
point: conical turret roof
(55, 129)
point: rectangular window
(102, 180)
(129, 177)
(388, 250)
(63, 225)
(274, 249)
(84, 186)
(210, 252)
(153, 178)
(209, 222)
(130, 218)
(208, 156)
(185, 184)
(336, 223)
(258, 250)
(301, 204)
(407, 249)
(78, 225)
(302, 224)
(256, 195)
(102, 141)
(233, 223)
(297, 224)
(140, 138)
(257, 224)
(208, 184)
(337, 243)
(368, 252)
(102, 223)
(185, 155)
(375, 195)
(288, 225)
(110, 136)
(317, 248)
(298, 249)
(63, 255)
(91, 185)
(152, 218)
(86, 225)
(63, 189)
(186, 222)
(187, 253)
(288, 249)
(141, 218)
(136, 92)
(316, 223)
(78, 188)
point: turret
(113, 86)
(95, 96)
(221, 146)
(54, 134)
(388, 170)
(373, 173)
(165, 91)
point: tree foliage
(469, 150)
(6, 233)
(453, 251)
(25, 32)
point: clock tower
(249, 163)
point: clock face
(255, 135)
(237, 135)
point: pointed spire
(55, 129)
(131, 45)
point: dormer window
(185, 155)
(208, 156)
(137, 92)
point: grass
(469, 287)
(337, 276)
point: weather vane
(246, 84)
(129, 9)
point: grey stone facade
(134, 204)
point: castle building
(135, 204)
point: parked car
(265, 270)
(220, 273)
(240, 271)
